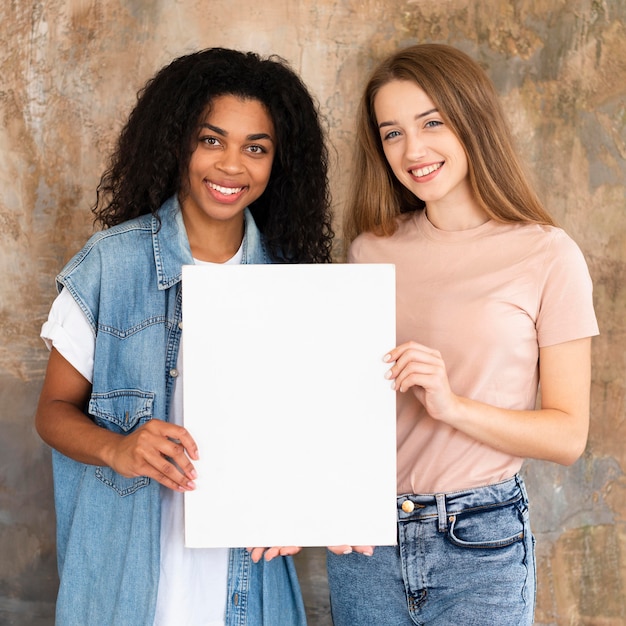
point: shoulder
(365, 247)
(556, 245)
(560, 241)
(119, 234)
(565, 290)
(373, 244)
(543, 243)
(542, 233)
(111, 243)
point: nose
(230, 161)
(415, 147)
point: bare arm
(555, 432)
(62, 423)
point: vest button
(408, 506)
(180, 325)
(173, 373)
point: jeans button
(408, 506)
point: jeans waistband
(442, 505)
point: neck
(455, 217)
(216, 242)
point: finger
(399, 350)
(404, 359)
(427, 380)
(256, 554)
(167, 474)
(429, 366)
(339, 550)
(271, 553)
(141, 454)
(187, 442)
(410, 350)
(420, 356)
(365, 550)
(401, 370)
(416, 363)
(289, 550)
(147, 459)
(168, 440)
(178, 434)
(176, 454)
(163, 479)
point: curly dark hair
(150, 161)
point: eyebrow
(417, 117)
(220, 131)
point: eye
(392, 134)
(433, 123)
(256, 149)
(209, 140)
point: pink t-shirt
(487, 298)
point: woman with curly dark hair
(222, 160)
(294, 211)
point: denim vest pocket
(492, 526)
(121, 411)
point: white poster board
(285, 395)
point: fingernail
(368, 553)
(393, 385)
(193, 474)
(191, 484)
(348, 551)
(388, 374)
(387, 358)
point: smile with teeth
(424, 171)
(227, 191)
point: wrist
(108, 448)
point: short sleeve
(566, 300)
(69, 332)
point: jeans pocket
(496, 526)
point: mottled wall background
(69, 70)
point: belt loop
(442, 514)
(522, 487)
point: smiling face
(230, 166)
(422, 151)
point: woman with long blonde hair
(492, 298)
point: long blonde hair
(469, 104)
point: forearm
(67, 429)
(555, 432)
(546, 433)
(156, 449)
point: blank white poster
(285, 395)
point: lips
(227, 191)
(420, 172)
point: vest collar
(171, 246)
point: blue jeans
(465, 557)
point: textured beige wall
(69, 70)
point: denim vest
(127, 281)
